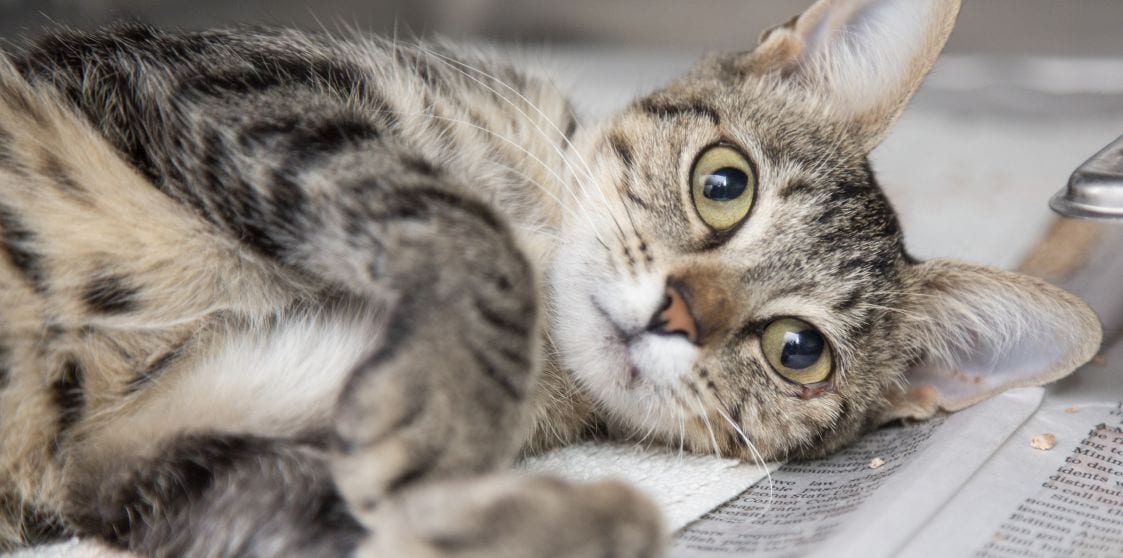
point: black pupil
(724, 184)
(801, 348)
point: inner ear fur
(980, 331)
(863, 58)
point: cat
(268, 292)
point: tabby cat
(272, 293)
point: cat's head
(731, 269)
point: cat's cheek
(587, 345)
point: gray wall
(1091, 28)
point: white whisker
(757, 457)
(681, 428)
(705, 417)
(453, 63)
(514, 144)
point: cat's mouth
(641, 356)
(621, 339)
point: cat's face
(730, 271)
(810, 237)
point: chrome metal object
(1095, 189)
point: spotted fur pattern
(266, 292)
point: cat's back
(461, 110)
(112, 144)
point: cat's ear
(981, 331)
(864, 58)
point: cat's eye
(796, 350)
(723, 186)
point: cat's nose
(675, 317)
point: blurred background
(1018, 27)
(1027, 90)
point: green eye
(723, 186)
(796, 350)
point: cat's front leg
(428, 418)
(447, 392)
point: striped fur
(266, 292)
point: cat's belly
(278, 379)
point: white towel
(684, 486)
(73, 548)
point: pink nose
(675, 317)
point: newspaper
(966, 484)
(1066, 503)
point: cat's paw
(424, 414)
(513, 516)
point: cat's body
(266, 292)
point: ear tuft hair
(984, 330)
(864, 58)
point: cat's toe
(511, 516)
(404, 425)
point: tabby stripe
(476, 209)
(267, 132)
(68, 395)
(419, 469)
(86, 60)
(399, 330)
(416, 164)
(324, 138)
(827, 217)
(631, 195)
(416, 410)
(288, 205)
(500, 322)
(622, 149)
(461, 543)
(7, 157)
(515, 357)
(854, 265)
(495, 375)
(668, 110)
(850, 192)
(307, 146)
(417, 203)
(263, 71)
(842, 416)
(241, 207)
(56, 172)
(154, 370)
(16, 240)
(308, 141)
(5, 366)
(796, 188)
(570, 124)
(852, 299)
(160, 506)
(157, 43)
(36, 525)
(110, 293)
(793, 288)
(735, 414)
(733, 439)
